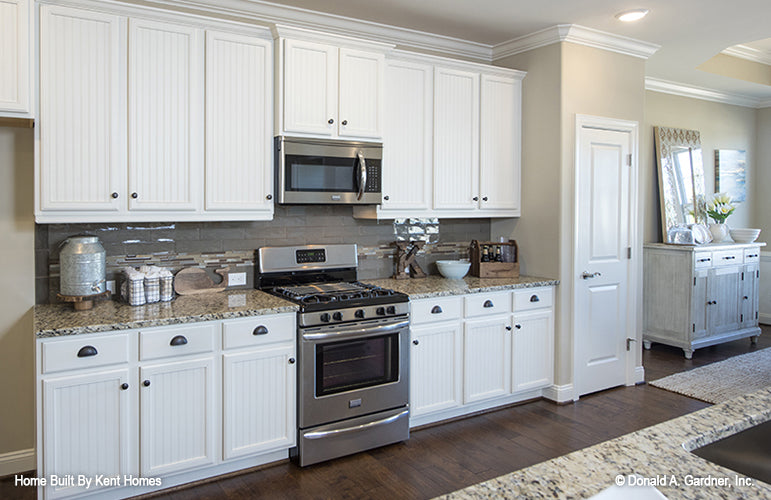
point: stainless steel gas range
(353, 348)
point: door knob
(587, 276)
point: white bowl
(744, 235)
(453, 269)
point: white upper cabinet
(499, 149)
(456, 139)
(15, 57)
(329, 86)
(239, 168)
(165, 116)
(81, 123)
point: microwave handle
(362, 174)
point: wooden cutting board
(192, 280)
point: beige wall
(762, 176)
(735, 67)
(17, 295)
(722, 126)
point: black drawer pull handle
(730, 257)
(752, 255)
(86, 351)
(260, 330)
(124, 386)
(178, 340)
(436, 310)
(488, 303)
(704, 260)
(534, 298)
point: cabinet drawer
(176, 341)
(84, 352)
(259, 330)
(438, 309)
(533, 298)
(728, 257)
(751, 255)
(702, 260)
(482, 304)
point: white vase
(719, 231)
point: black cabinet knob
(436, 310)
(178, 340)
(291, 361)
(146, 383)
(416, 341)
(745, 297)
(260, 330)
(124, 386)
(331, 121)
(488, 304)
(345, 122)
(87, 351)
(518, 327)
(269, 197)
(114, 195)
(508, 328)
(134, 195)
(386, 197)
(476, 198)
(484, 198)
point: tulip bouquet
(720, 207)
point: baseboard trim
(15, 462)
(764, 318)
(559, 393)
(639, 374)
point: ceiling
(689, 31)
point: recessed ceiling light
(631, 15)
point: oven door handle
(355, 428)
(357, 331)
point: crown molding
(577, 34)
(683, 90)
(266, 13)
(748, 53)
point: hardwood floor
(450, 456)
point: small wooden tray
(493, 269)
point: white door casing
(604, 284)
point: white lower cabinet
(177, 403)
(85, 428)
(479, 351)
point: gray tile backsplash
(215, 244)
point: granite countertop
(707, 246)
(437, 286)
(657, 452)
(53, 320)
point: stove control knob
(359, 313)
(380, 311)
(325, 317)
(338, 316)
(391, 310)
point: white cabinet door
(499, 184)
(532, 350)
(15, 28)
(259, 398)
(82, 110)
(750, 295)
(165, 116)
(176, 416)
(86, 428)
(239, 170)
(456, 139)
(487, 358)
(361, 93)
(436, 365)
(408, 135)
(310, 87)
(724, 290)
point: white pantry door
(603, 265)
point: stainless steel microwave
(325, 171)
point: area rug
(724, 380)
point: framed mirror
(681, 178)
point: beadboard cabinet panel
(15, 57)
(436, 367)
(486, 358)
(532, 350)
(239, 170)
(82, 156)
(361, 93)
(310, 87)
(456, 139)
(165, 116)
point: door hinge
(629, 160)
(628, 252)
(757, 273)
(693, 327)
(694, 281)
(742, 275)
(741, 318)
(756, 315)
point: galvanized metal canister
(82, 266)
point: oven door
(352, 370)
(327, 172)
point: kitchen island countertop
(659, 453)
(437, 286)
(53, 320)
